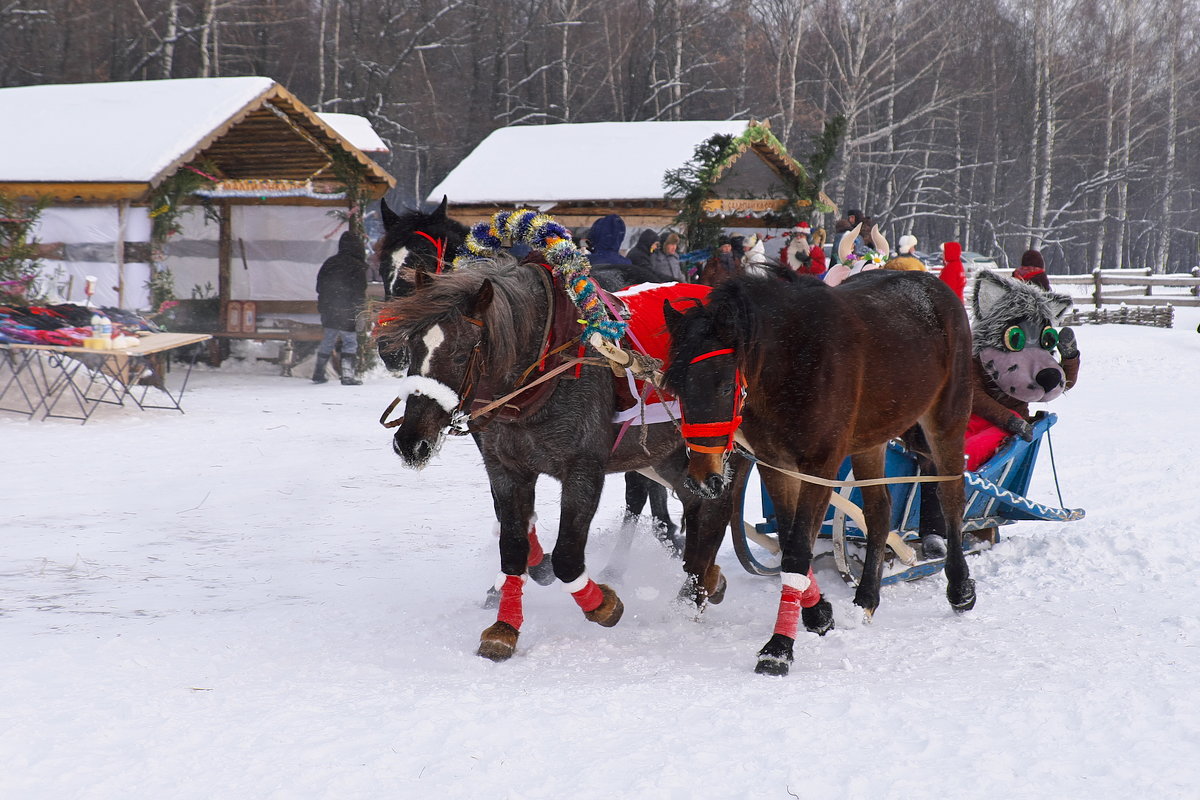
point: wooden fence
(1136, 287)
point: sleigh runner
(995, 496)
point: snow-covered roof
(129, 136)
(356, 130)
(577, 161)
(113, 132)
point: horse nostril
(715, 484)
(1049, 379)
(422, 451)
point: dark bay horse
(428, 242)
(478, 334)
(827, 372)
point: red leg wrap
(589, 597)
(791, 600)
(812, 595)
(511, 610)
(536, 554)
(788, 619)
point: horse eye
(1049, 339)
(726, 389)
(460, 359)
(1014, 339)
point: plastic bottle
(102, 329)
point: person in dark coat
(610, 269)
(341, 294)
(642, 253)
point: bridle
(726, 428)
(460, 417)
(439, 246)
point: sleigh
(995, 496)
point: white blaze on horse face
(432, 341)
(398, 259)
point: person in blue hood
(612, 270)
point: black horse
(428, 242)
(417, 241)
(478, 334)
(826, 373)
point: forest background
(1066, 125)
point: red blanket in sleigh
(648, 334)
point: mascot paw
(1067, 346)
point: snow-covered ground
(257, 600)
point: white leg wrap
(795, 580)
(577, 584)
(503, 577)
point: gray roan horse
(481, 333)
(828, 372)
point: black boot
(348, 364)
(319, 371)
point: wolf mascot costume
(1015, 332)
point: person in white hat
(908, 245)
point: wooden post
(224, 260)
(1096, 291)
(119, 250)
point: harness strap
(439, 246)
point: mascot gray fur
(1015, 331)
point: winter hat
(908, 243)
(723, 239)
(1032, 258)
(670, 237)
(801, 228)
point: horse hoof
(542, 572)
(609, 612)
(492, 599)
(498, 642)
(933, 547)
(819, 618)
(776, 656)
(963, 599)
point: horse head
(416, 241)
(446, 336)
(704, 375)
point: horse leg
(800, 508)
(945, 438)
(582, 482)
(877, 509)
(512, 497)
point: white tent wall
(276, 252)
(85, 238)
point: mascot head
(1015, 333)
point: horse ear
(482, 299)
(671, 315)
(989, 291)
(389, 216)
(440, 211)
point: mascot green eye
(1014, 338)
(1049, 339)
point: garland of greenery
(350, 173)
(19, 260)
(541, 232)
(693, 181)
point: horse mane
(514, 318)
(737, 314)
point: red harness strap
(439, 245)
(726, 428)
